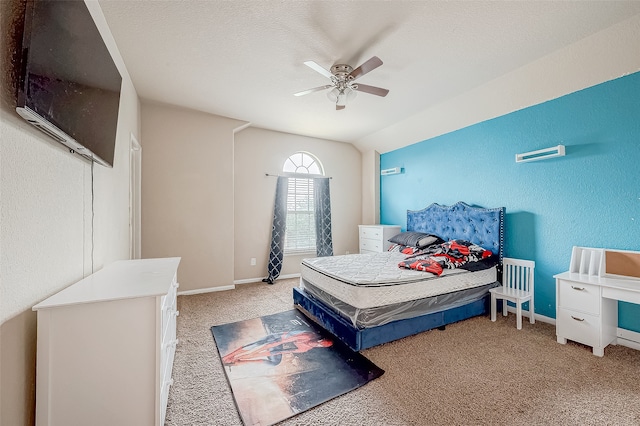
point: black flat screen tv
(69, 85)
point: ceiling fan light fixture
(341, 96)
(333, 94)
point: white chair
(517, 287)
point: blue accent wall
(590, 197)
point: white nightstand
(374, 238)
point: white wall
(46, 238)
(370, 187)
(206, 198)
(259, 151)
(187, 192)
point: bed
(366, 299)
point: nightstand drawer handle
(577, 319)
(578, 288)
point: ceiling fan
(343, 77)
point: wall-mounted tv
(69, 85)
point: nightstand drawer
(579, 297)
(371, 245)
(373, 233)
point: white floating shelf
(391, 171)
(541, 154)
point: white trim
(135, 203)
(248, 281)
(233, 287)
(287, 276)
(628, 338)
(538, 317)
(545, 319)
(206, 290)
(257, 280)
(293, 175)
(310, 253)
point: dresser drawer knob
(577, 319)
(176, 313)
(577, 288)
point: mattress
(374, 279)
(381, 315)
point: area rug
(280, 365)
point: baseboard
(206, 290)
(232, 287)
(538, 317)
(628, 338)
(257, 280)
(248, 281)
(545, 319)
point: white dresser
(374, 238)
(106, 346)
(587, 295)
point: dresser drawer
(371, 245)
(169, 340)
(367, 251)
(169, 306)
(371, 232)
(579, 327)
(579, 297)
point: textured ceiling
(244, 59)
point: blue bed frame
(481, 226)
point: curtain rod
(300, 175)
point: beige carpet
(474, 373)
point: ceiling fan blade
(340, 107)
(319, 69)
(371, 89)
(315, 89)
(369, 65)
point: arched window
(303, 162)
(300, 236)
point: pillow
(463, 249)
(404, 249)
(415, 239)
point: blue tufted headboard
(484, 227)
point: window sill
(301, 253)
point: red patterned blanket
(448, 255)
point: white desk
(587, 307)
